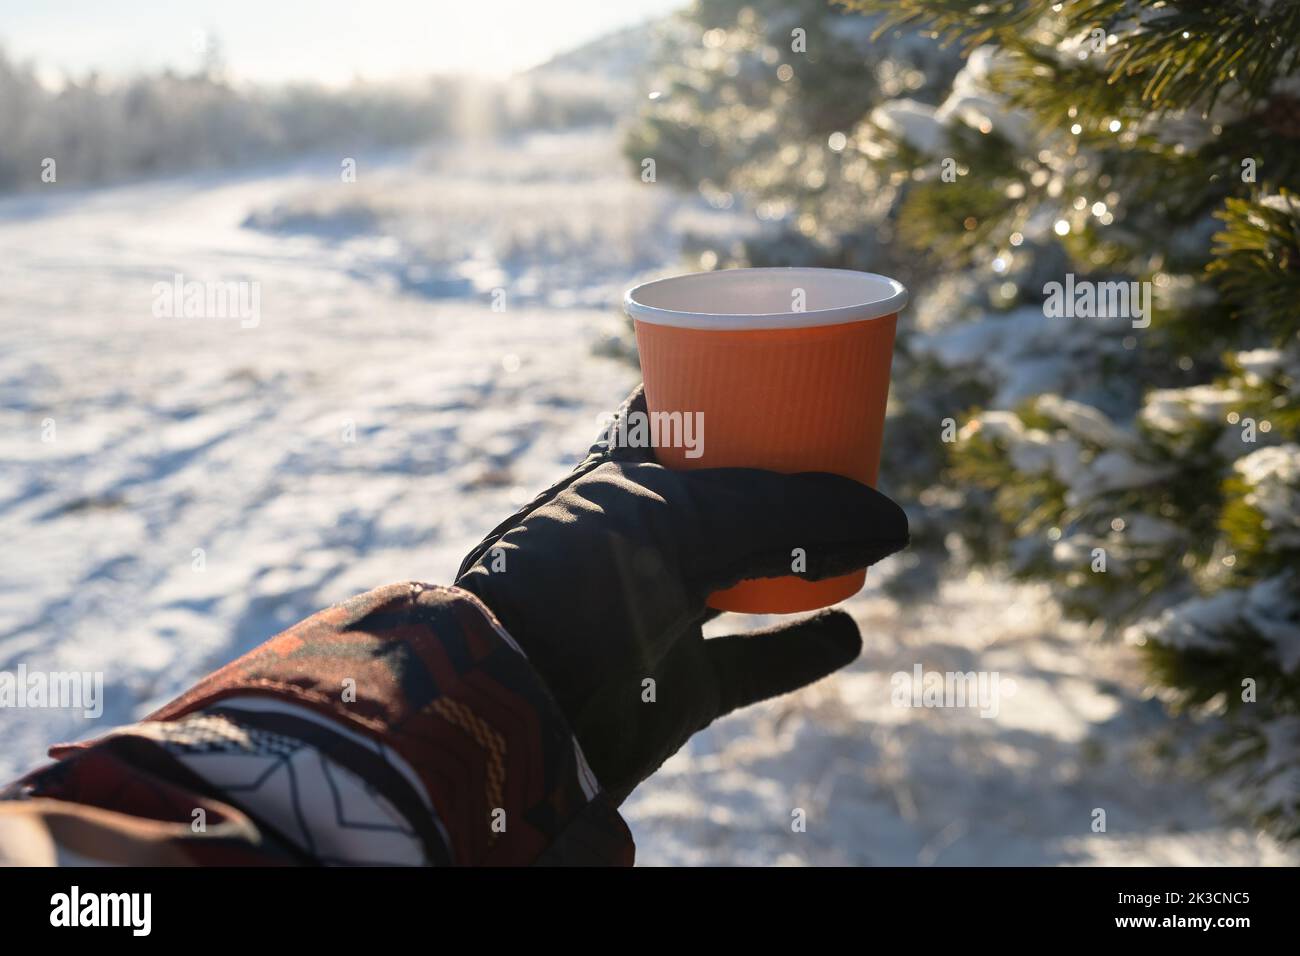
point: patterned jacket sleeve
(401, 726)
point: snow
(1020, 354)
(1272, 474)
(1271, 609)
(1267, 608)
(1112, 470)
(971, 102)
(1144, 530)
(1259, 364)
(1279, 203)
(880, 784)
(1174, 410)
(202, 491)
(1087, 422)
(1202, 623)
(1067, 459)
(1033, 452)
(994, 424)
(913, 122)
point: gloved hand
(602, 580)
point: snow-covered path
(207, 484)
(354, 436)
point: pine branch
(1180, 56)
(1257, 262)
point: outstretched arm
(500, 721)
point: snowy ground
(174, 434)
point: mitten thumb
(775, 661)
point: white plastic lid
(765, 298)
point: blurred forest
(102, 131)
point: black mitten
(603, 579)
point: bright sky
(326, 40)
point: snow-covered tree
(1098, 210)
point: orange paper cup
(788, 370)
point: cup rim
(856, 312)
